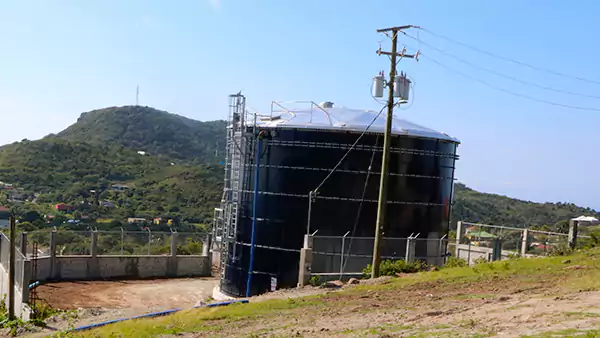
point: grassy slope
(421, 305)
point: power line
(506, 90)
(349, 150)
(512, 78)
(541, 69)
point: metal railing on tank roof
(305, 107)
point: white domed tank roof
(329, 117)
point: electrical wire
(506, 90)
(498, 73)
(349, 150)
(541, 69)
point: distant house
(64, 207)
(119, 187)
(586, 220)
(106, 204)
(157, 220)
(133, 220)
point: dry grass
(456, 302)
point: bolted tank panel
(295, 161)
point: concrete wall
(121, 267)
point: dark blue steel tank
(296, 156)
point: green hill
(65, 171)
(178, 176)
(474, 206)
(150, 130)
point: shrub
(391, 268)
(560, 250)
(455, 262)
(480, 260)
(315, 280)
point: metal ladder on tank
(232, 191)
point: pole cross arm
(402, 55)
(397, 28)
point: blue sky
(60, 58)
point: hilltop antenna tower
(137, 95)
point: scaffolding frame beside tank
(239, 150)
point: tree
(31, 216)
(25, 226)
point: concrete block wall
(98, 267)
(120, 267)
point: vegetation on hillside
(474, 206)
(82, 174)
(150, 130)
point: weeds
(315, 281)
(391, 268)
(455, 262)
(480, 260)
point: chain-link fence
(72, 242)
(351, 255)
(481, 241)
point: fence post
(459, 228)
(497, 249)
(53, 254)
(525, 243)
(206, 245)
(11, 270)
(24, 243)
(409, 256)
(26, 277)
(342, 256)
(94, 245)
(149, 240)
(442, 251)
(573, 228)
(305, 261)
(174, 244)
(122, 240)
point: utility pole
(382, 200)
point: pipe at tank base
(34, 285)
(152, 314)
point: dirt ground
(99, 301)
(135, 295)
(502, 306)
(499, 309)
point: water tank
(295, 160)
